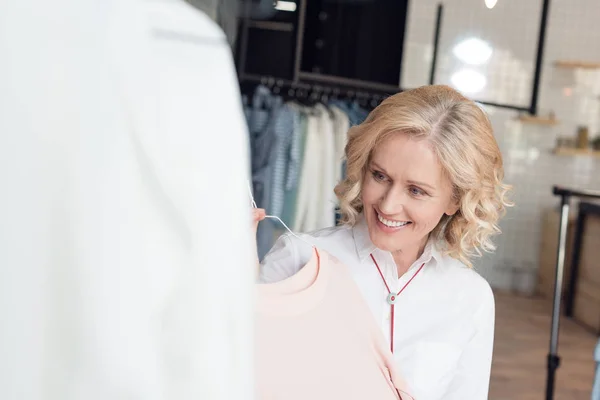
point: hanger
(253, 203)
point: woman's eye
(416, 191)
(378, 176)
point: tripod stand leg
(553, 358)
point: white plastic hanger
(275, 217)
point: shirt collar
(364, 246)
(362, 241)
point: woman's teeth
(391, 224)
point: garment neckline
(298, 293)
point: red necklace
(393, 297)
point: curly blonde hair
(463, 140)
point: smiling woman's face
(404, 193)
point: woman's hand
(258, 214)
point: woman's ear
(453, 206)
(452, 210)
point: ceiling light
(490, 3)
(285, 6)
(468, 81)
(473, 51)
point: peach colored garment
(316, 339)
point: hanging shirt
(265, 126)
(268, 122)
(123, 167)
(341, 125)
(356, 114)
(309, 193)
(295, 202)
(316, 339)
(326, 200)
(295, 165)
(284, 166)
(444, 319)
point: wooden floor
(521, 348)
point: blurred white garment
(123, 167)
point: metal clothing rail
(316, 91)
(553, 357)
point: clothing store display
(444, 319)
(117, 206)
(316, 339)
(297, 156)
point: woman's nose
(392, 202)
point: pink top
(317, 339)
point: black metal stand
(585, 210)
(553, 358)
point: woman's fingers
(258, 214)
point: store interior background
(522, 268)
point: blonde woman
(423, 194)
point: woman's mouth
(393, 224)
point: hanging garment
(316, 339)
(309, 192)
(123, 166)
(285, 164)
(327, 200)
(341, 124)
(296, 160)
(263, 125)
(265, 117)
(296, 200)
(273, 129)
(356, 114)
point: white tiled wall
(511, 28)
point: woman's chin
(382, 244)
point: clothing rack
(297, 133)
(553, 358)
(314, 92)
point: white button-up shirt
(444, 319)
